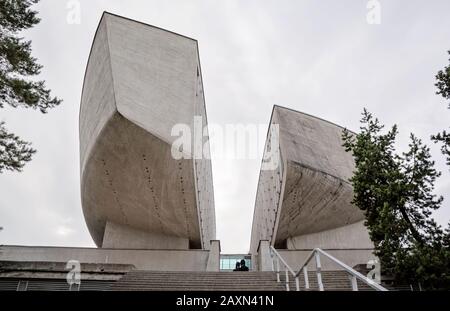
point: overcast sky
(320, 57)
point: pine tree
(443, 86)
(420, 200)
(374, 182)
(17, 89)
(395, 191)
(443, 82)
(14, 152)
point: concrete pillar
(214, 256)
(264, 260)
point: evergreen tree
(17, 66)
(14, 152)
(443, 82)
(376, 170)
(419, 199)
(443, 86)
(395, 191)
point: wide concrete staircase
(137, 280)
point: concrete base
(156, 260)
(125, 237)
(59, 270)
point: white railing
(316, 253)
(276, 260)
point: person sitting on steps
(238, 266)
(243, 266)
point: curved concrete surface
(140, 81)
(299, 204)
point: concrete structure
(305, 202)
(144, 208)
(152, 215)
(140, 81)
(52, 276)
(143, 259)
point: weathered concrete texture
(140, 81)
(352, 236)
(120, 236)
(308, 196)
(59, 270)
(156, 260)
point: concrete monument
(306, 202)
(140, 81)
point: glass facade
(228, 262)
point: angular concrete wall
(140, 81)
(305, 202)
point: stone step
(228, 281)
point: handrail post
(354, 283)
(287, 269)
(354, 275)
(318, 270)
(278, 269)
(305, 275)
(272, 259)
(287, 279)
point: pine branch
(17, 89)
(14, 152)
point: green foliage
(16, 88)
(444, 139)
(443, 86)
(395, 191)
(14, 153)
(16, 15)
(443, 82)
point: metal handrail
(275, 255)
(352, 272)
